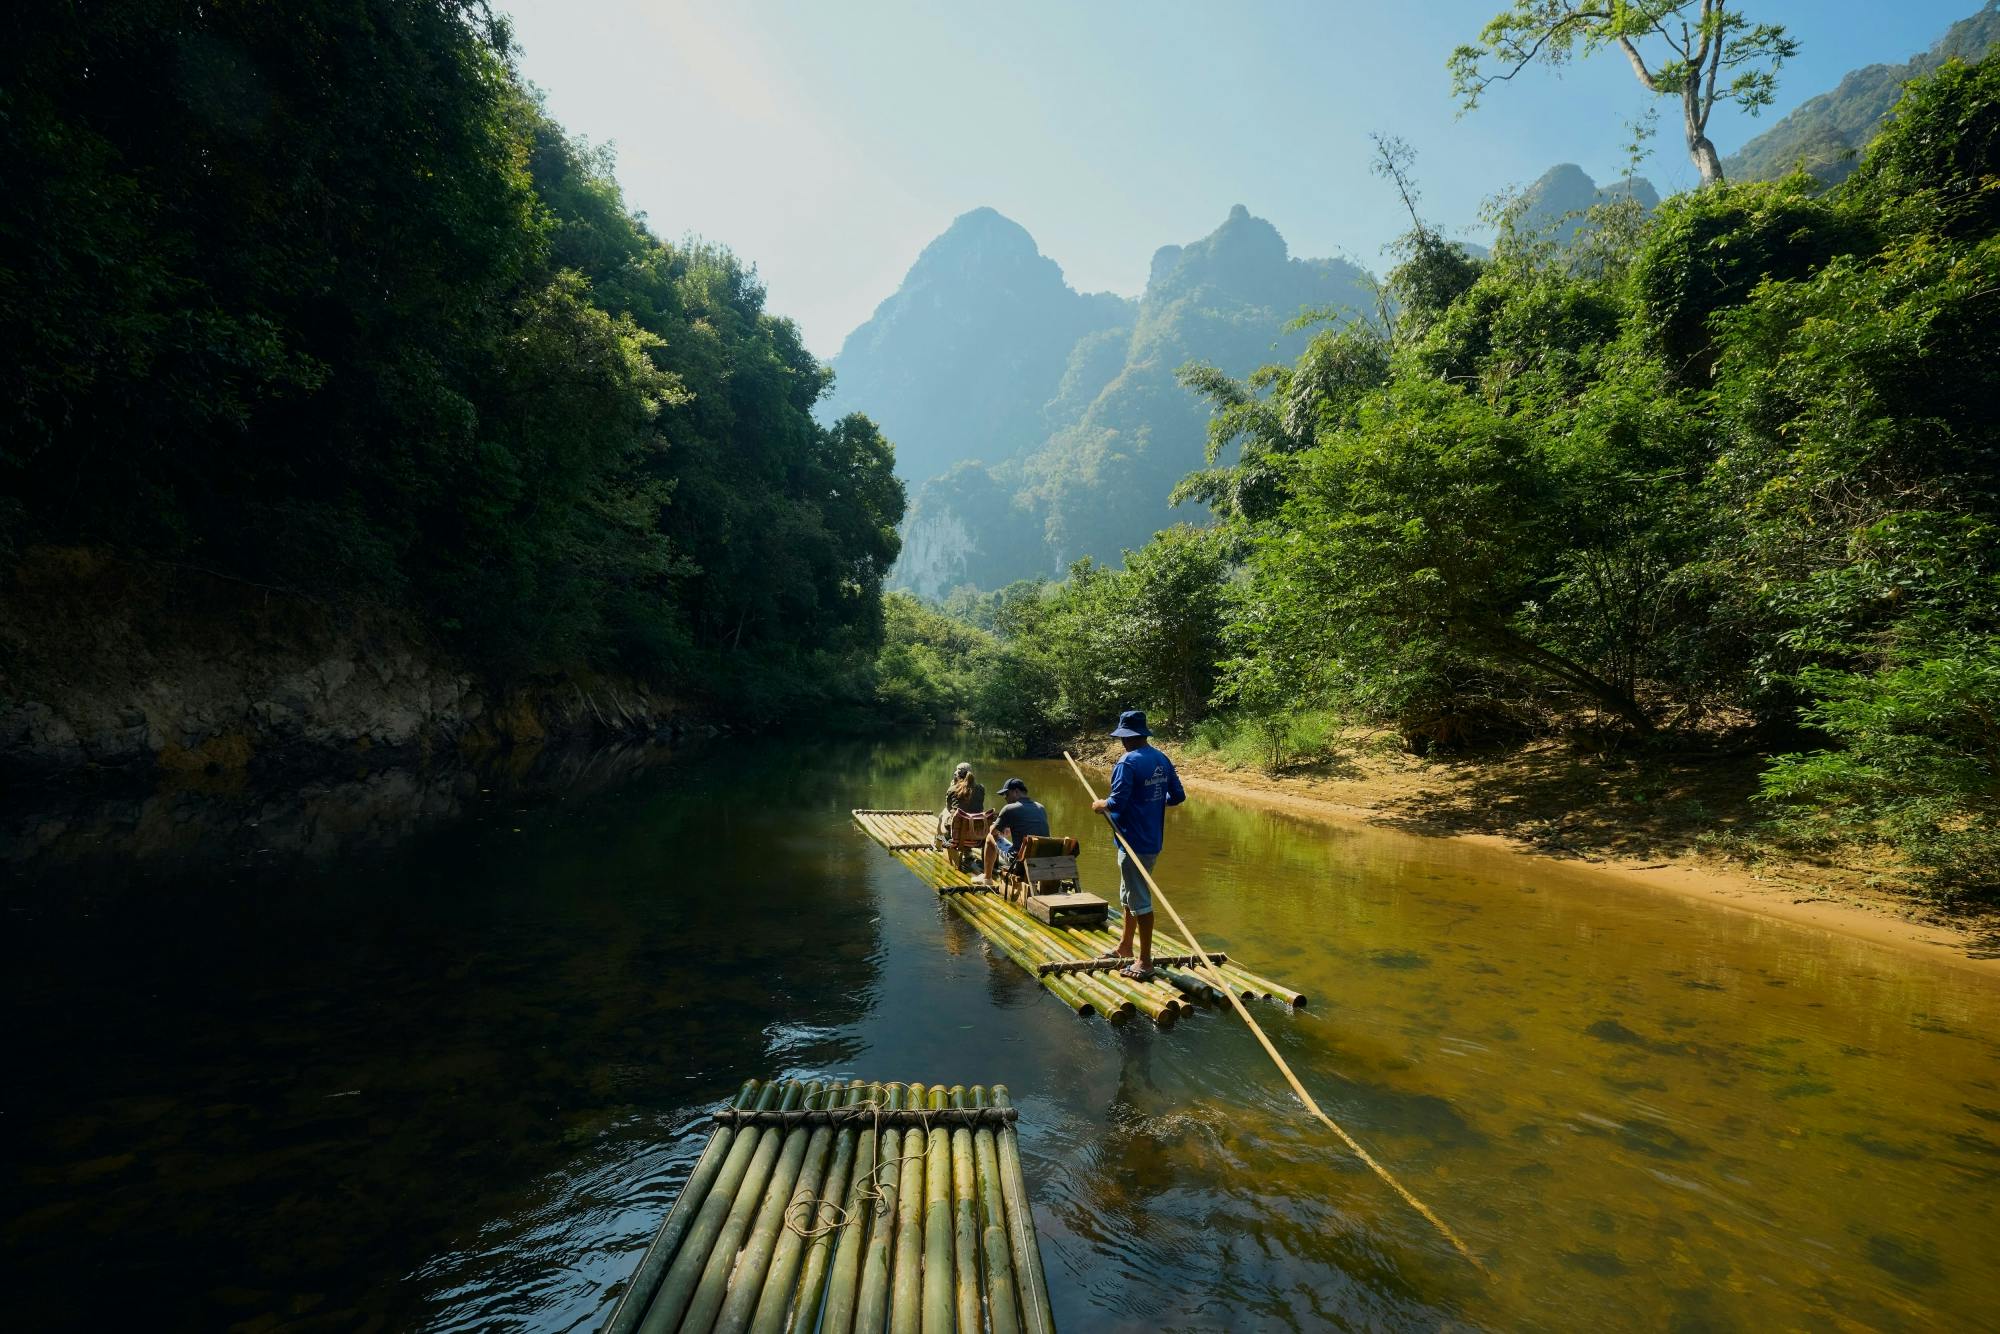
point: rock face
(1088, 471)
(109, 667)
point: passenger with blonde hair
(966, 794)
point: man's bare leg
(1124, 950)
(1145, 941)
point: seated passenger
(966, 794)
(1022, 817)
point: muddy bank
(111, 670)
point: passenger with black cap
(1022, 817)
(1143, 785)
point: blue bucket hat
(1132, 722)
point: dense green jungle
(1720, 473)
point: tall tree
(1677, 48)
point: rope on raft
(1111, 962)
(879, 1117)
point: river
(450, 1079)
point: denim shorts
(1133, 894)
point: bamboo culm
(965, 1221)
(844, 1273)
(1002, 1311)
(938, 1286)
(646, 1278)
(878, 1261)
(907, 1284)
(814, 1287)
(713, 1285)
(678, 1285)
(774, 1292)
(1033, 1284)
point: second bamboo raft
(854, 1208)
(909, 837)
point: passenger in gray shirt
(1020, 818)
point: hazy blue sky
(828, 141)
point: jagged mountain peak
(1244, 248)
(984, 241)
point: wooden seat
(968, 835)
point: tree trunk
(1700, 151)
(1703, 154)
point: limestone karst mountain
(959, 362)
(1556, 204)
(1037, 425)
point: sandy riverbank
(1652, 828)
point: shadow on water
(435, 1050)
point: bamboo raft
(908, 836)
(848, 1207)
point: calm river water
(451, 1079)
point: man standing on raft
(1143, 785)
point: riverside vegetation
(451, 375)
(1725, 469)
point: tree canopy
(318, 296)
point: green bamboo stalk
(872, 1302)
(965, 1221)
(938, 1286)
(1064, 989)
(1033, 1283)
(678, 1285)
(819, 1262)
(713, 1286)
(1121, 991)
(772, 1288)
(1062, 944)
(1002, 1306)
(1244, 985)
(1031, 949)
(645, 1280)
(906, 1286)
(839, 1256)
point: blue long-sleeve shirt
(1143, 785)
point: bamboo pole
(1300, 1089)
(1002, 1307)
(1157, 1003)
(965, 1221)
(1024, 949)
(1028, 950)
(853, 1167)
(800, 1208)
(745, 1283)
(878, 1263)
(1064, 989)
(678, 1284)
(938, 1285)
(1156, 1000)
(907, 1284)
(645, 1280)
(1249, 985)
(713, 1285)
(1033, 1284)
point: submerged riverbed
(451, 1080)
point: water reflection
(450, 1075)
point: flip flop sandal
(1136, 973)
